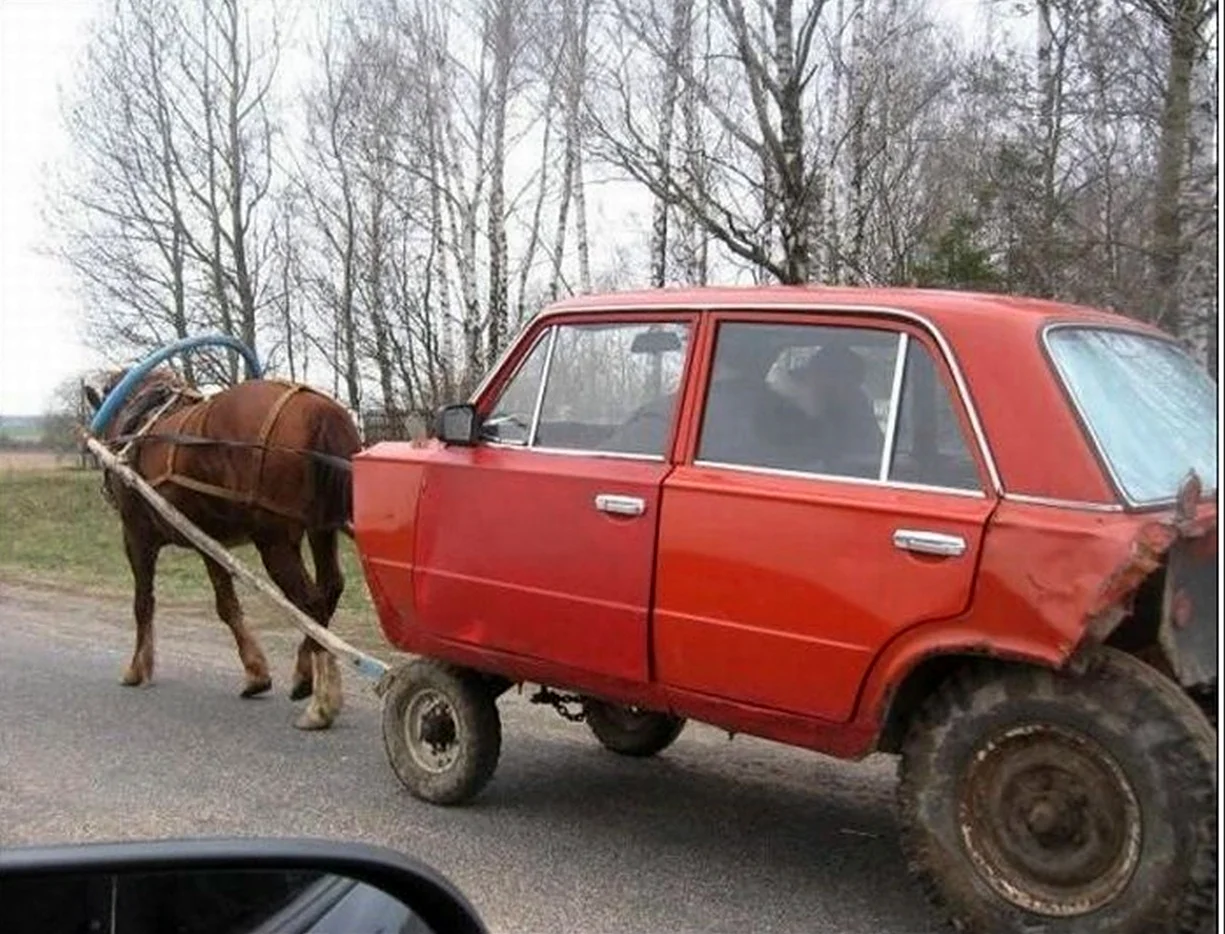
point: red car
(975, 530)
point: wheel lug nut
(1042, 817)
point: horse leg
(142, 557)
(230, 612)
(327, 693)
(331, 584)
(283, 562)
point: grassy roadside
(57, 531)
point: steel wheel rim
(433, 731)
(1050, 820)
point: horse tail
(336, 438)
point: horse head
(96, 392)
(154, 389)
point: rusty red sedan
(978, 531)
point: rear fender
(889, 681)
(1049, 591)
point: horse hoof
(257, 687)
(301, 690)
(313, 720)
(131, 678)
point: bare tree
(679, 49)
(432, 189)
(172, 126)
(759, 107)
(121, 213)
(330, 192)
(501, 36)
(227, 168)
(572, 76)
(1183, 23)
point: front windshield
(1150, 408)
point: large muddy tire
(441, 731)
(1043, 801)
(630, 731)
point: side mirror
(457, 424)
(244, 886)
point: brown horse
(263, 462)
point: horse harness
(195, 419)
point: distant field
(24, 429)
(57, 530)
(34, 460)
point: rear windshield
(1150, 408)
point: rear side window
(595, 388)
(930, 447)
(799, 397)
(854, 402)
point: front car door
(540, 540)
(832, 497)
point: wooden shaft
(366, 665)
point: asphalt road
(711, 836)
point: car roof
(992, 339)
(943, 307)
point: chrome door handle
(929, 543)
(620, 505)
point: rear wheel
(1038, 800)
(629, 730)
(441, 731)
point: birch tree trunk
(1182, 20)
(576, 87)
(502, 39)
(678, 42)
(857, 84)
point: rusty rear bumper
(1189, 633)
(1161, 600)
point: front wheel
(1039, 800)
(441, 731)
(630, 731)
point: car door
(831, 499)
(540, 540)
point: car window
(809, 398)
(929, 447)
(612, 387)
(510, 419)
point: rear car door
(540, 540)
(832, 498)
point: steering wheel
(642, 415)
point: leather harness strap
(194, 423)
(265, 431)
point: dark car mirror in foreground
(457, 424)
(226, 886)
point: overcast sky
(41, 43)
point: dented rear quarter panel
(1052, 581)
